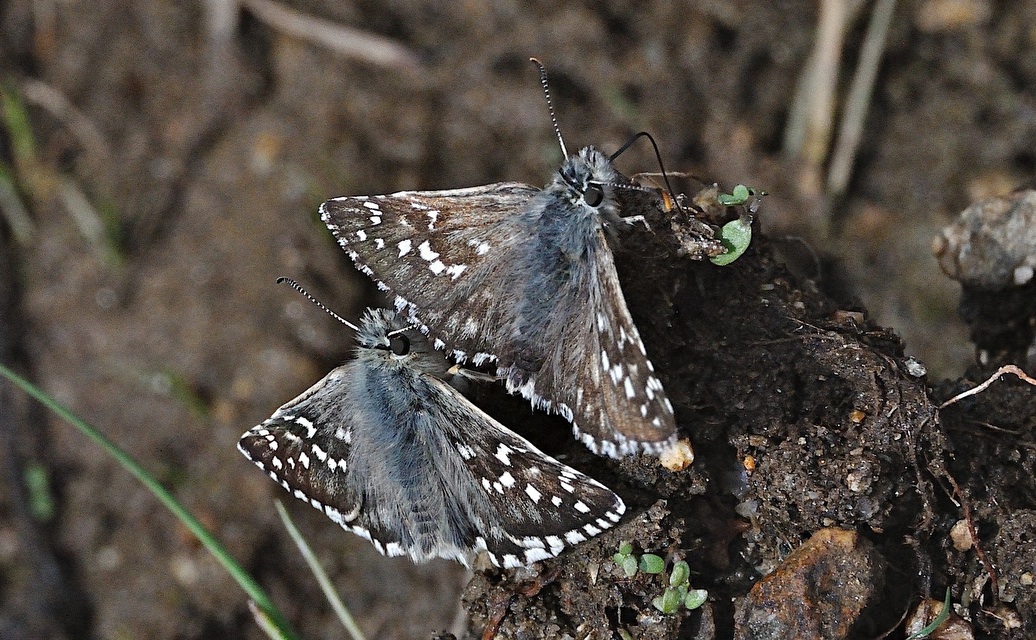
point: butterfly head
(588, 181)
(387, 337)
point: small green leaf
(629, 566)
(735, 235)
(668, 602)
(681, 572)
(739, 195)
(681, 591)
(695, 598)
(650, 563)
(625, 548)
(41, 500)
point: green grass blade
(254, 591)
(321, 575)
(934, 624)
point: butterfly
(386, 448)
(523, 278)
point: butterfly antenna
(409, 327)
(658, 156)
(550, 104)
(298, 287)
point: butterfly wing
(435, 251)
(510, 273)
(306, 446)
(593, 370)
(402, 459)
(532, 505)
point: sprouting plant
(736, 235)
(678, 590)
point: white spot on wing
(426, 251)
(555, 543)
(574, 537)
(533, 494)
(404, 247)
(502, 453)
(535, 555)
(507, 479)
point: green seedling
(678, 592)
(650, 563)
(695, 598)
(739, 195)
(736, 235)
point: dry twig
(1007, 368)
(859, 99)
(347, 41)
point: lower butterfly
(385, 447)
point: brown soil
(152, 312)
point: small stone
(960, 534)
(677, 457)
(992, 244)
(819, 591)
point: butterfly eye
(593, 195)
(399, 344)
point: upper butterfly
(524, 277)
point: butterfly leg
(471, 374)
(632, 220)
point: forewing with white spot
(523, 277)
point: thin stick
(809, 122)
(81, 127)
(859, 98)
(347, 41)
(1007, 368)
